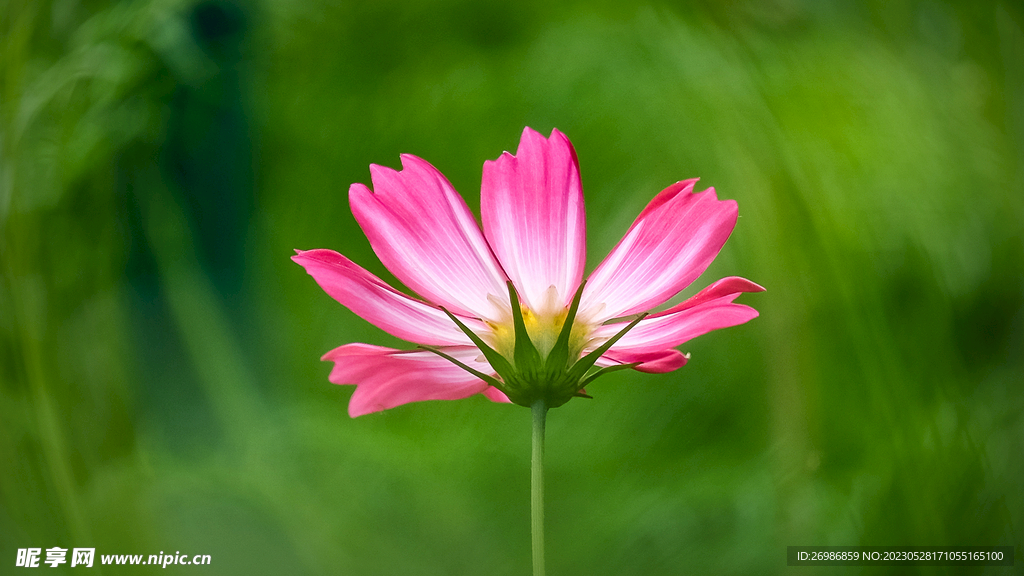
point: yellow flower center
(543, 330)
(543, 326)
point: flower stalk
(540, 411)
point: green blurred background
(160, 388)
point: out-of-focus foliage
(159, 382)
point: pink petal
(652, 362)
(386, 378)
(651, 341)
(669, 245)
(381, 305)
(730, 287)
(673, 327)
(533, 216)
(423, 232)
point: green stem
(539, 410)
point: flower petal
(651, 362)
(708, 310)
(533, 216)
(386, 378)
(423, 232)
(381, 305)
(731, 286)
(669, 245)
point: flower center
(543, 329)
(536, 355)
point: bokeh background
(160, 388)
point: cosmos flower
(504, 311)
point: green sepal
(580, 368)
(496, 360)
(593, 376)
(485, 377)
(525, 356)
(558, 357)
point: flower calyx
(528, 375)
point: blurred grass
(159, 382)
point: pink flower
(469, 327)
